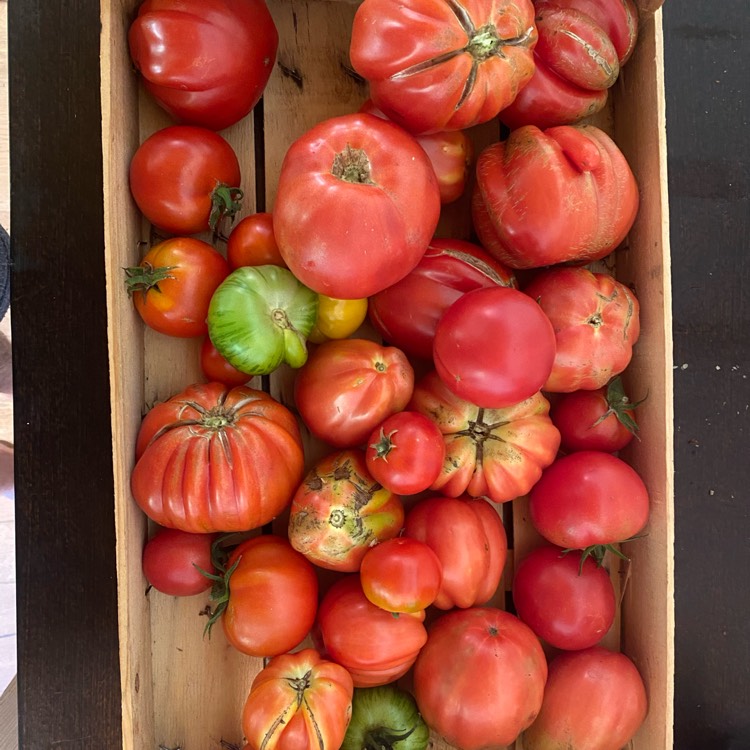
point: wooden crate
(181, 690)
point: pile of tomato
(439, 377)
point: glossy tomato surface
(253, 243)
(375, 169)
(494, 347)
(217, 459)
(215, 368)
(441, 66)
(479, 679)
(407, 313)
(173, 285)
(206, 62)
(337, 318)
(184, 179)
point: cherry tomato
(406, 453)
(216, 369)
(173, 560)
(252, 243)
(173, 285)
(337, 318)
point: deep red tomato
(589, 499)
(406, 453)
(600, 420)
(407, 312)
(298, 700)
(480, 678)
(184, 179)
(494, 347)
(272, 597)
(216, 369)
(173, 560)
(594, 700)
(339, 511)
(567, 602)
(596, 321)
(252, 243)
(493, 453)
(469, 539)
(206, 62)
(214, 459)
(173, 285)
(348, 387)
(547, 197)
(437, 66)
(376, 646)
(375, 169)
(401, 575)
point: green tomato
(260, 317)
(385, 718)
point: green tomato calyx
(144, 277)
(352, 165)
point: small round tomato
(494, 347)
(173, 285)
(173, 560)
(401, 575)
(406, 453)
(337, 318)
(252, 243)
(216, 369)
(566, 601)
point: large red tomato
(376, 646)
(469, 539)
(594, 700)
(375, 170)
(184, 179)
(339, 511)
(407, 312)
(596, 320)
(298, 701)
(493, 453)
(348, 387)
(479, 679)
(206, 62)
(173, 285)
(443, 66)
(214, 459)
(547, 197)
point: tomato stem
(225, 202)
(144, 277)
(352, 165)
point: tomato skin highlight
(252, 242)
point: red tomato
(589, 499)
(206, 62)
(480, 678)
(431, 67)
(406, 453)
(594, 700)
(469, 539)
(600, 420)
(173, 560)
(298, 700)
(376, 646)
(546, 197)
(184, 179)
(566, 601)
(252, 243)
(214, 459)
(493, 453)
(348, 387)
(407, 312)
(216, 369)
(375, 169)
(273, 597)
(339, 511)
(596, 321)
(401, 575)
(494, 347)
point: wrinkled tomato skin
(588, 498)
(595, 699)
(480, 678)
(376, 646)
(252, 242)
(569, 604)
(216, 369)
(273, 597)
(469, 539)
(406, 314)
